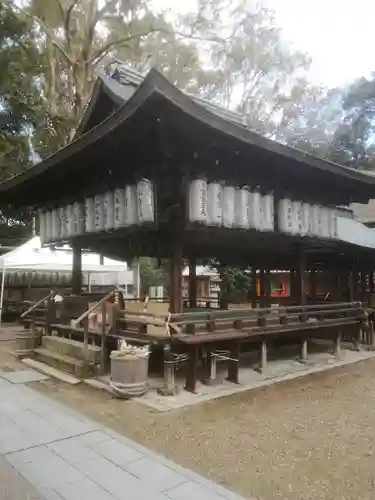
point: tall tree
(19, 97)
(231, 52)
(354, 143)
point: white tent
(31, 256)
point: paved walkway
(64, 455)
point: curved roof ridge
(155, 82)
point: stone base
(123, 391)
(302, 361)
(168, 391)
(212, 381)
(24, 353)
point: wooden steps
(68, 356)
(67, 364)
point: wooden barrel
(129, 374)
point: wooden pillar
(300, 278)
(313, 284)
(262, 288)
(191, 375)
(77, 270)
(254, 287)
(371, 287)
(224, 290)
(193, 282)
(175, 279)
(268, 288)
(351, 285)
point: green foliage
(19, 100)
(354, 140)
(151, 274)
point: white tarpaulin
(31, 256)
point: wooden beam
(300, 278)
(193, 282)
(77, 270)
(175, 278)
(313, 283)
(254, 287)
(262, 288)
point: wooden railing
(37, 304)
(252, 320)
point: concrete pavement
(64, 455)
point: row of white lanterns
(303, 219)
(134, 205)
(216, 204)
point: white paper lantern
(56, 224)
(78, 226)
(285, 216)
(306, 217)
(119, 208)
(48, 226)
(99, 213)
(130, 205)
(109, 212)
(267, 213)
(89, 215)
(145, 202)
(242, 208)
(42, 226)
(326, 223)
(297, 217)
(62, 214)
(333, 224)
(69, 220)
(215, 204)
(255, 211)
(229, 202)
(198, 201)
(317, 221)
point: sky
(337, 34)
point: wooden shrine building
(155, 172)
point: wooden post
(175, 279)
(103, 340)
(371, 287)
(267, 286)
(86, 344)
(253, 287)
(233, 364)
(77, 270)
(191, 377)
(355, 283)
(293, 286)
(263, 356)
(193, 282)
(212, 369)
(262, 288)
(169, 388)
(313, 284)
(300, 278)
(303, 357)
(338, 345)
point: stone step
(52, 372)
(71, 348)
(63, 362)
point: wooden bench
(227, 330)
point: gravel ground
(13, 486)
(305, 439)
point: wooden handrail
(34, 306)
(94, 306)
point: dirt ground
(305, 439)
